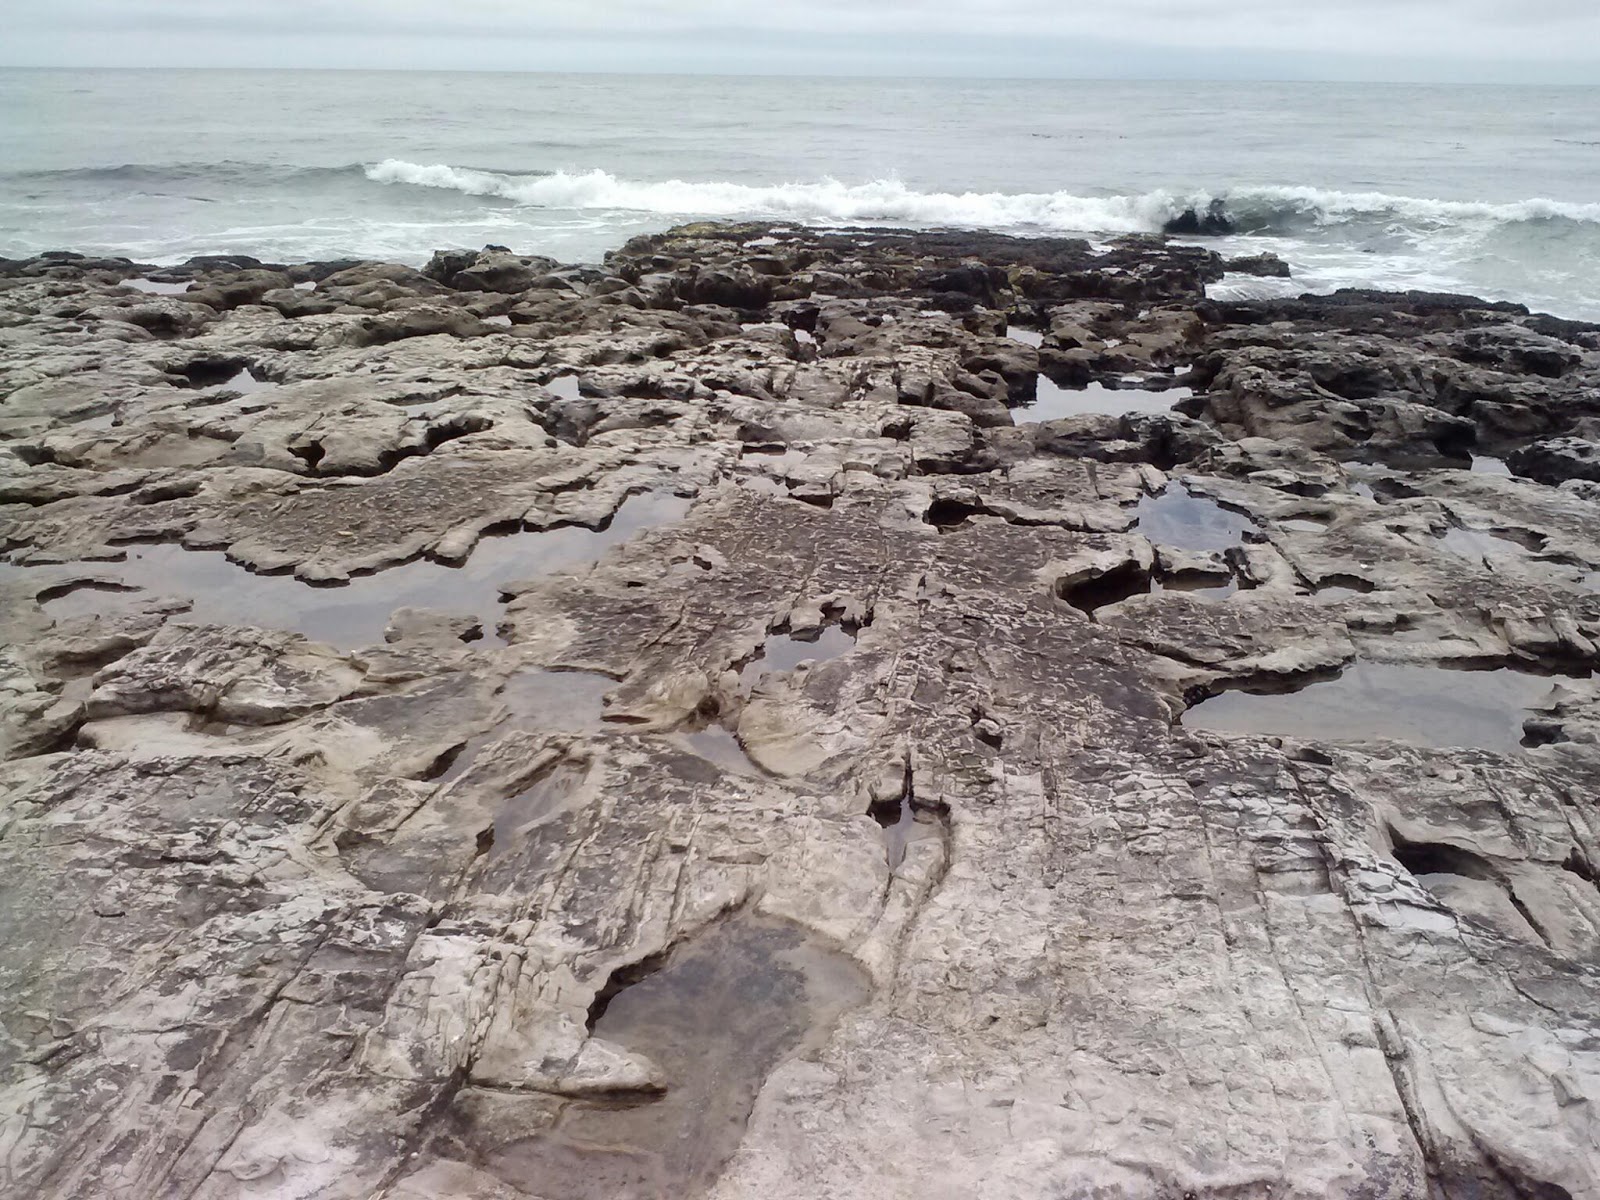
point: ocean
(1489, 190)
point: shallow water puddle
(538, 701)
(1205, 586)
(902, 824)
(1126, 582)
(356, 614)
(1178, 518)
(1423, 706)
(1052, 401)
(1480, 546)
(1483, 464)
(783, 652)
(717, 744)
(563, 387)
(502, 320)
(717, 1017)
(154, 287)
(532, 806)
(245, 383)
(1028, 337)
(213, 377)
(561, 701)
(764, 484)
(1338, 592)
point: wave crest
(825, 200)
(1275, 209)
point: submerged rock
(704, 725)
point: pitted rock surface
(542, 879)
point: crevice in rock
(1395, 1058)
(1423, 859)
(623, 977)
(897, 429)
(1577, 863)
(429, 1119)
(987, 730)
(1441, 858)
(208, 372)
(242, 1036)
(160, 493)
(1515, 1181)
(783, 650)
(440, 766)
(58, 590)
(81, 664)
(1352, 583)
(33, 456)
(1527, 915)
(1102, 588)
(311, 453)
(946, 514)
(1543, 731)
(898, 817)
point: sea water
(1488, 190)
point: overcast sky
(1534, 41)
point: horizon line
(787, 74)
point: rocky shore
(800, 715)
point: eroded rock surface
(684, 728)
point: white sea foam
(826, 200)
(888, 200)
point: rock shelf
(686, 727)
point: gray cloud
(1536, 40)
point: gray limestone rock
(690, 741)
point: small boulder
(498, 271)
(731, 287)
(1556, 460)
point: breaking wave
(1254, 210)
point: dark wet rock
(1397, 390)
(738, 287)
(243, 287)
(1517, 349)
(445, 265)
(229, 263)
(1214, 222)
(157, 316)
(66, 264)
(1557, 460)
(1164, 440)
(293, 302)
(1265, 265)
(1353, 308)
(496, 271)
(417, 320)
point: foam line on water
(1262, 209)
